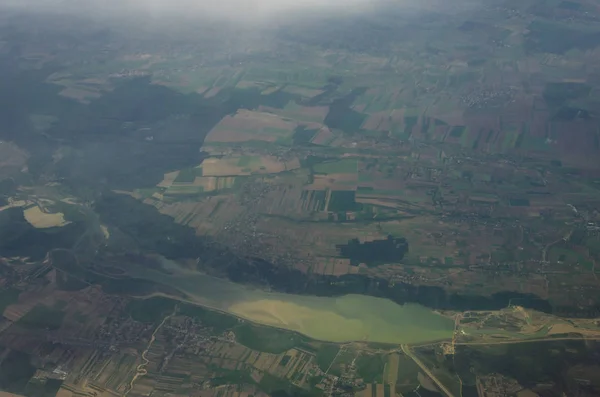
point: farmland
(383, 204)
(185, 347)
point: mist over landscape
(362, 198)
(264, 12)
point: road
(141, 369)
(545, 339)
(409, 353)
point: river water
(334, 319)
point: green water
(341, 319)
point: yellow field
(247, 165)
(212, 183)
(247, 126)
(168, 179)
(391, 370)
(42, 220)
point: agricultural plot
(292, 201)
(309, 76)
(390, 375)
(370, 367)
(333, 182)
(312, 115)
(82, 90)
(43, 219)
(343, 166)
(342, 360)
(406, 375)
(176, 74)
(246, 165)
(195, 187)
(376, 100)
(206, 215)
(305, 92)
(324, 137)
(334, 267)
(252, 126)
(292, 365)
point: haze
(261, 11)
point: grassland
(42, 317)
(8, 296)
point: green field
(42, 317)
(8, 296)
(370, 367)
(188, 175)
(344, 166)
(326, 354)
(267, 339)
(151, 310)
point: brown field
(222, 167)
(334, 182)
(235, 165)
(314, 115)
(380, 390)
(367, 392)
(283, 200)
(211, 183)
(391, 374)
(377, 122)
(208, 215)
(168, 179)
(334, 267)
(251, 126)
(16, 311)
(323, 137)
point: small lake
(333, 319)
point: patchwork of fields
(293, 181)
